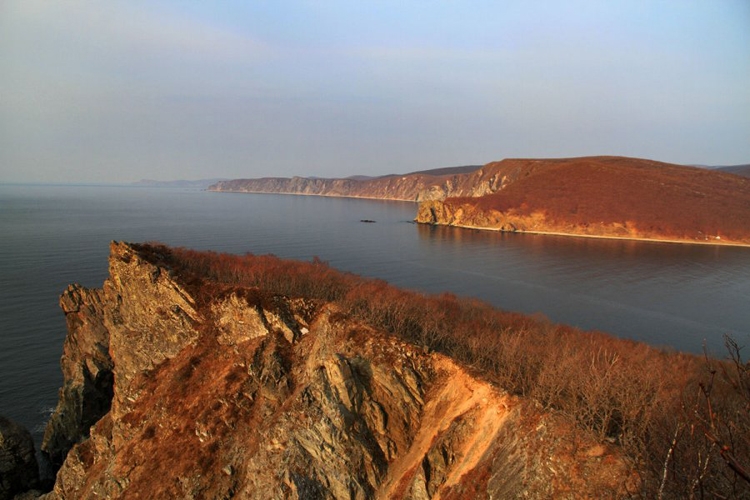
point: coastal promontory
(202, 375)
(600, 196)
(228, 391)
(610, 197)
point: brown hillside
(253, 377)
(609, 196)
(223, 389)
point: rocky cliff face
(87, 373)
(605, 196)
(414, 187)
(468, 215)
(224, 392)
(610, 197)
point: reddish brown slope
(226, 390)
(608, 196)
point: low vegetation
(641, 197)
(682, 420)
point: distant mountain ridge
(465, 169)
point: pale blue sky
(116, 91)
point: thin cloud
(116, 26)
(335, 88)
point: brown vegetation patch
(630, 196)
(682, 427)
(211, 391)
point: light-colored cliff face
(242, 394)
(469, 215)
(410, 187)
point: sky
(122, 90)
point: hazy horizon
(116, 92)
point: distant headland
(599, 196)
(180, 183)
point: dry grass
(679, 418)
(651, 197)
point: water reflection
(601, 250)
(665, 294)
(661, 293)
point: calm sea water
(679, 296)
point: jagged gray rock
(87, 371)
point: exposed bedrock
(220, 392)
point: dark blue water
(665, 294)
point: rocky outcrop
(151, 318)
(226, 392)
(19, 471)
(610, 197)
(87, 373)
(469, 215)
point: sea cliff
(178, 386)
(601, 196)
(607, 197)
(415, 187)
(202, 375)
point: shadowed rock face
(19, 471)
(87, 370)
(241, 393)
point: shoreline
(377, 198)
(480, 228)
(596, 236)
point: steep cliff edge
(418, 186)
(86, 393)
(201, 389)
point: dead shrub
(682, 421)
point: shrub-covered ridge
(682, 420)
